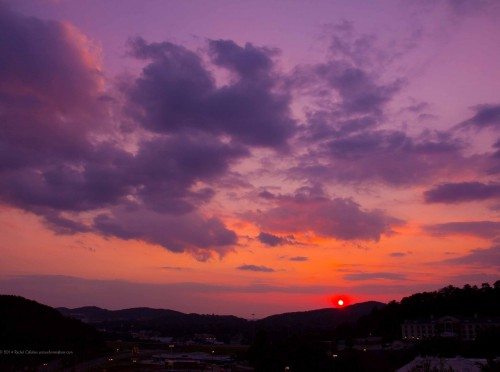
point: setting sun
(341, 300)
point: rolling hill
(26, 324)
(177, 323)
(327, 318)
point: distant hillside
(165, 321)
(28, 325)
(175, 323)
(93, 314)
(327, 318)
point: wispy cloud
(482, 229)
(176, 268)
(488, 257)
(398, 254)
(257, 268)
(299, 258)
(374, 276)
(275, 240)
(451, 193)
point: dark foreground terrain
(361, 337)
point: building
(465, 329)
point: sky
(247, 158)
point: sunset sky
(247, 157)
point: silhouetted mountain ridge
(175, 323)
(27, 324)
(95, 314)
(321, 318)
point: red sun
(340, 300)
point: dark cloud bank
(62, 152)
(462, 192)
(54, 115)
(482, 229)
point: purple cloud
(46, 57)
(384, 156)
(299, 258)
(52, 107)
(192, 157)
(482, 229)
(489, 257)
(310, 210)
(176, 91)
(494, 168)
(360, 93)
(343, 134)
(51, 83)
(374, 276)
(398, 254)
(60, 156)
(188, 232)
(266, 195)
(348, 79)
(257, 268)
(62, 186)
(462, 192)
(249, 62)
(486, 116)
(175, 268)
(274, 240)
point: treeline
(468, 301)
